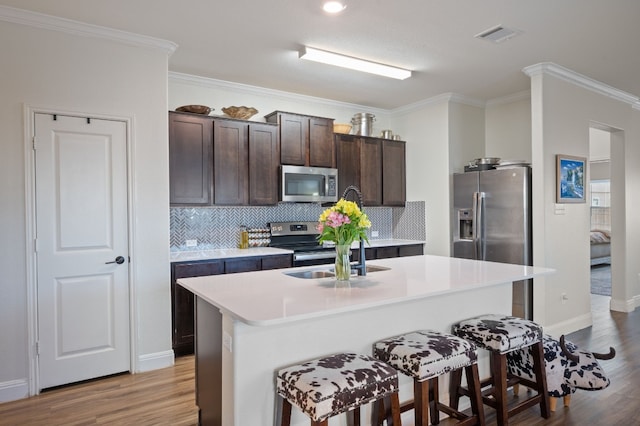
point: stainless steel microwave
(308, 184)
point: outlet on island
(374, 234)
(191, 243)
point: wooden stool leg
(421, 402)
(552, 404)
(541, 378)
(433, 401)
(567, 400)
(395, 409)
(353, 417)
(286, 413)
(324, 422)
(454, 386)
(475, 392)
(499, 373)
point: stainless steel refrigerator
(492, 221)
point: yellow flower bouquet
(343, 223)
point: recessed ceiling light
(333, 6)
(350, 62)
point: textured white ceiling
(256, 42)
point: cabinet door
(190, 159)
(264, 159)
(230, 162)
(347, 161)
(321, 146)
(371, 171)
(294, 139)
(182, 302)
(393, 173)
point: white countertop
(185, 256)
(272, 297)
(191, 255)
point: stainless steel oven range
(301, 237)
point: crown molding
(515, 97)
(549, 68)
(262, 91)
(54, 23)
(445, 97)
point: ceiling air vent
(497, 34)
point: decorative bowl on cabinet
(242, 112)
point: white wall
(508, 128)
(426, 130)
(42, 68)
(187, 90)
(562, 113)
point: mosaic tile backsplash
(219, 227)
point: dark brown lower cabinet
(387, 252)
(182, 301)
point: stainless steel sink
(328, 273)
(311, 274)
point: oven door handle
(314, 256)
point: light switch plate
(191, 243)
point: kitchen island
(249, 325)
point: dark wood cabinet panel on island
(304, 140)
(191, 159)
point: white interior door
(81, 227)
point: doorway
(82, 277)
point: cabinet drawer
(277, 262)
(200, 269)
(387, 252)
(242, 265)
(411, 250)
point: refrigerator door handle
(478, 226)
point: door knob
(119, 260)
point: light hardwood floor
(166, 397)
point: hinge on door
(37, 348)
(33, 142)
(35, 245)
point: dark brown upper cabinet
(230, 162)
(222, 161)
(304, 140)
(394, 173)
(191, 159)
(376, 166)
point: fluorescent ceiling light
(353, 63)
(333, 7)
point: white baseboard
(624, 305)
(569, 326)
(155, 361)
(14, 389)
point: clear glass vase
(343, 265)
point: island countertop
(274, 297)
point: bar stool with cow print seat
(336, 384)
(424, 356)
(500, 335)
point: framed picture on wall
(570, 177)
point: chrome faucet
(360, 266)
